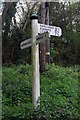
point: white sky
(37, 0)
(31, 0)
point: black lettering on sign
(41, 37)
(56, 31)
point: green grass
(59, 93)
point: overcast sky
(74, 0)
(38, 0)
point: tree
(42, 44)
(14, 32)
(65, 50)
(7, 16)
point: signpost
(39, 38)
(34, 43)
(53, 30)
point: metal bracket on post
(35, 63)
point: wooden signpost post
(35, 63)
(45, 31)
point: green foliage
(60, 96)
(0, 92)
(65, 50)
(59, 93)
(13, 35)
(16, 92)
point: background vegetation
(59, 98)
(64, 50)
(59, 94)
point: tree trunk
(42, 44)
(48, 41)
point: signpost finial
(34, 16)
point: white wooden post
(35, 62)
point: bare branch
(29, 12)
